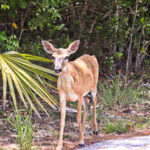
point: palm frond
(27, 79)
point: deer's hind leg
(81, 134)
(85, 105)
(94, 98)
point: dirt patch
(46, 131)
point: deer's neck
(65, 67)
(66, 83)
(65, 78)
(65, 73)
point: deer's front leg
(62, 122)
(81, 134)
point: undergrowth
(118, 92)
(24, 128)
(112, 127)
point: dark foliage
(117, 31)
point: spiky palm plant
(27, 79)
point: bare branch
(92, 26)
(23, 20)
(128, 62)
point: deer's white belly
(71, 96)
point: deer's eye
(66, 58)
(53, 57)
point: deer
(76, 79)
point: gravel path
(134, 143)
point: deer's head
(60, 55)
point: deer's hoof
(95, 132)
(58, 148)
(81, 145)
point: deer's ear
(48, 47)
(73, 47)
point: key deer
(76, 79)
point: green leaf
(54, 3)
(22, 4)
(4, 88)
(35, 58)
(59, 27)
(99, 27)
(143, 50)
(4, 6)
(22, 77)
(119, 55)
(34, 68)
(12, 91)
(142, 20)
(18, 83)
(33, 84)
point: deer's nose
(58, 70)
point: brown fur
(82, 74)
(76, 80)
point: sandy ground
(133, 143)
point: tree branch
(131, 39)
(23, 20)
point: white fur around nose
(58, 63)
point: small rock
(133, 112)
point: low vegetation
(21, 122)
(119, 91)
(116, 32)
(113, 117)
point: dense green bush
(117, 32)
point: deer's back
(80, 78)
(84, 71)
